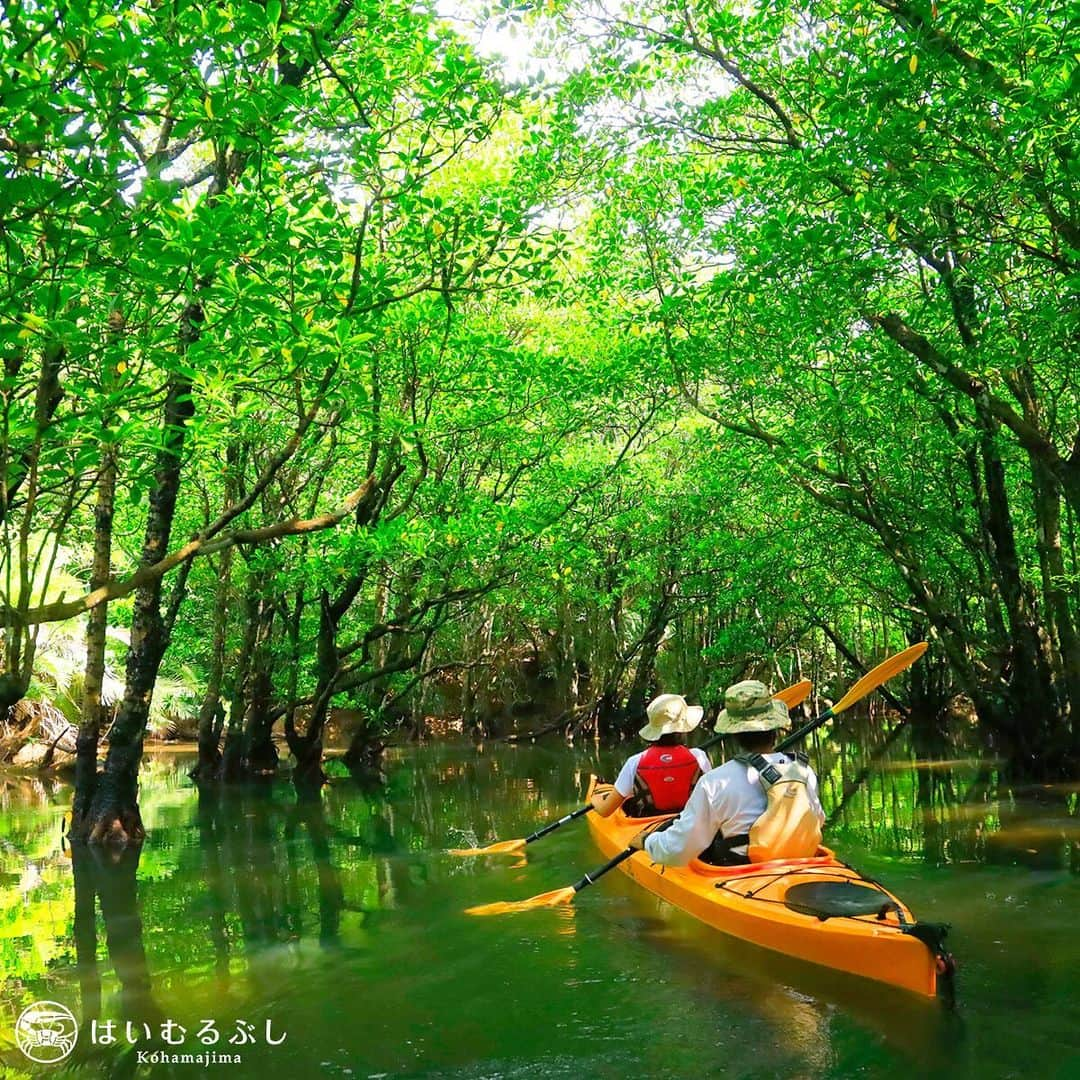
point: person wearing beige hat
(662, 777)
(727, 801)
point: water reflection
(916, 791)
(108, 879)
(793, 1004)
(258, 904)
(272, 874)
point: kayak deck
(752, 902)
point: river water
(328, 937)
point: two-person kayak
(817, 909)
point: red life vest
(665, 777)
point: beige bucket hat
(670, 715)
(750, 706)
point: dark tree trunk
(86, 745)
(1056, 597)
(608, 668)
(262, 755)
(20, 642)
(364, 756)
(114, 812)
(307, 770)
(1029, 710)
(234, 756)
(112, 879)
(312, 812)
(117, 891)
(307, 748)
(212, 843)
(929, 687)
(1058, 606)
(645, 670)
(211, 714)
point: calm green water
(340, 922)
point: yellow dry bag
(789, 828)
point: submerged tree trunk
(364, 756)
(84, 931)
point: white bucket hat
(749, 706)
(670, 715)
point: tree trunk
(86, 745)
(306, 749)
(262, 755)
(364, 756)
(565, 656)
(211, 714)
(234, 755)
(1029, 713)
(114, 812)
(645, 671)
(117, 890)
(1056, 597)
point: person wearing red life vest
(719, 821)
(659, 780)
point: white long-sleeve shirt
(727, 800)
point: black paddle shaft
(798, 736)
(594, 875)
(558, 824)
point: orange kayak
(817, 909)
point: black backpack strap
(767, 772)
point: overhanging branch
(115, 590)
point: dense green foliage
(351, 372)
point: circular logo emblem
(46, 1032)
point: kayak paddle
(513, 847)
(792, 696)
(869, 682)
(896, 663)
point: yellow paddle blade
(882, 673)
(796, 694)
(503, 847)
(508, 907)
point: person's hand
(638, 842)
